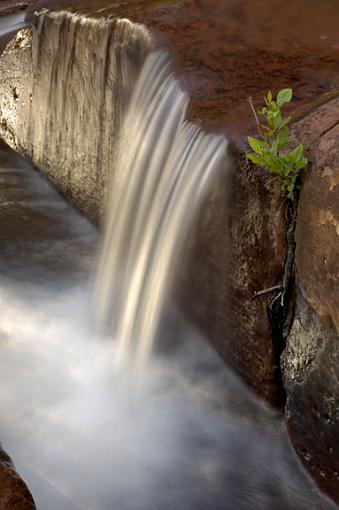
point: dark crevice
(281, 307)
(329, 129)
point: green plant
(273, 148)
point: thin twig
(255, 116)
(266, 291)
(283, 202)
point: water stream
(159, 182)
(81, 434)
(11, 23)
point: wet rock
(239, 250)
(14, 494)
(11, 6)
(71, 131)
(228, 50)
(311, 359)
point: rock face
(311, 359)
(11, 6)
(228, 50)
(65, 60)
(239, 250)
(14, 494)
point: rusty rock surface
(14, 494)
(311, 360)
(228, 50)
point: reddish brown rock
(228, 50)
(311, 360)
(14, 494)
(11, 6)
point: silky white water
(163, 169)
(81, 435)
(11, 23)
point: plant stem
(255, 116)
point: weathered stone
(311, 360)
(63, 60)
(14, 494)
(239, 250)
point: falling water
(164, 167)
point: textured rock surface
(69, 60)
(311, 360)
(14, 494)
(10, 6)
(239, 250)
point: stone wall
(63, 103)
(239, 250)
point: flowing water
(11, 23)
(83, 435)
(158, 184)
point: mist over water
(84, 436)
(190, 437)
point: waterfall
(163, 169)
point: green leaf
(270, 148)
(284, 96)
(282, 137)
(257, 160)
(270, 119)
(285, 122)
(297, 153)
(257, 145)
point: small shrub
(273, 148)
